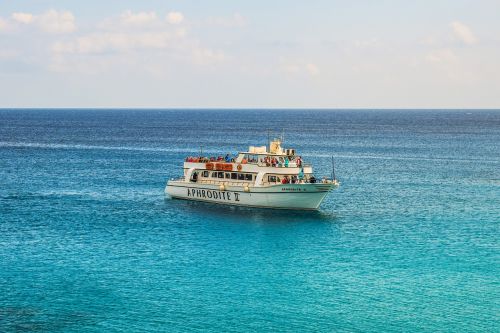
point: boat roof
(275, 149)
(266, 153)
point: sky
(250, 54)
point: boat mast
(333, 169)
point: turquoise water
(89, 243)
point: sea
(89, 242)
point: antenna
(269, 139)
(333, 169)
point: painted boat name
(212, 194)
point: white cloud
(291, 68)
(138, 18)
(122, 43)
(8, 54)
(299, 68)
(51, 21)
(430, 40)
(146, 53)
(174, 17)
(442, 56)
(234, 21)
(312, 69)
(113, 42)
(366, 43)
(3, 24)
(128, 42)
(205, 56)
(25, 18)
(463, 32)
(452, 66)
(54, 21)
(446, 61)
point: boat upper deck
(256, 166)
(276, 157)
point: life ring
(239, 167)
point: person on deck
(285, 180)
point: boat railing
(229, 183)
(178, 179)
(261, 164)
(264, 184)
(290, 165)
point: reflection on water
(249, 214)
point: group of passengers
(292, 180)
(270, 161)
(227, 159)
(280, 161)
(275, 162)
(295, 180)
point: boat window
(234, 175)
(220, 175)
(248, 176)
(271, 179)
(214, 174)
(205, 174)
(241, 176)
(228, 175)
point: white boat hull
(287, 196)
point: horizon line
(252, 108)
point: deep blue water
(89, 243)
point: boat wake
(93, 147)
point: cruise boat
(265, 177)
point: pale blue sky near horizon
(250, 54)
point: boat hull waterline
(286, 196)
